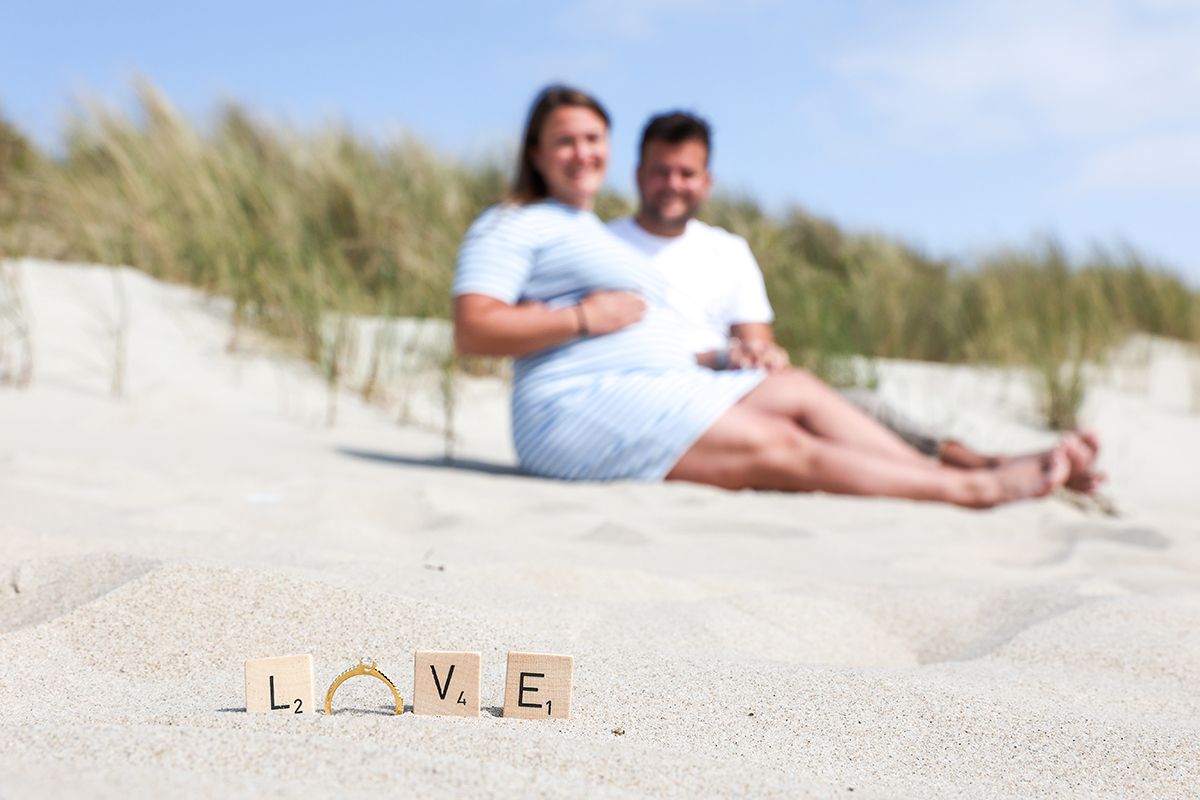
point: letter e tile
(282, 684)
(538, 686)
(446, 683)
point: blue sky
(958, 126)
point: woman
(603, 388)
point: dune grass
(838, 294)
(292, 227)
(16, 347)
(16, 342)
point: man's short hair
(677, 127)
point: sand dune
(743, 643)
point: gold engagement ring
(362, 668)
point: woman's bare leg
(750, 448)
(799, 395)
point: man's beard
(675, 222)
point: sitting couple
(619, 373)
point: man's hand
(757, 354)
(609, 311)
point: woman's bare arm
(487, 326)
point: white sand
(746, 644)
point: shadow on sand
(441, 462)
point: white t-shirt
(713, 281)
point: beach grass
(16, 337)
(293, 227)
(838, 294)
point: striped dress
(626, 405)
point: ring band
(362, 668)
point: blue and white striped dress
(627, 404)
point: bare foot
(1019, 479)
(1081, 449)
(954, 453)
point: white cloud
(989, 73)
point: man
(717, 287)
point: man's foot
(954, 453)
(1018, 479)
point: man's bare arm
(752, 345)
(753, 332)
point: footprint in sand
(615, 533)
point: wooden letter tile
(446, 683)
(538, 686)
(283, 684)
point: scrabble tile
(446, 683)
(538, 686)
(283, 685)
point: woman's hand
(609, 311)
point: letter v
(442, 689)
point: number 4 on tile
(446, 683)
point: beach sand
(725, 644)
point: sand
(725, 644)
